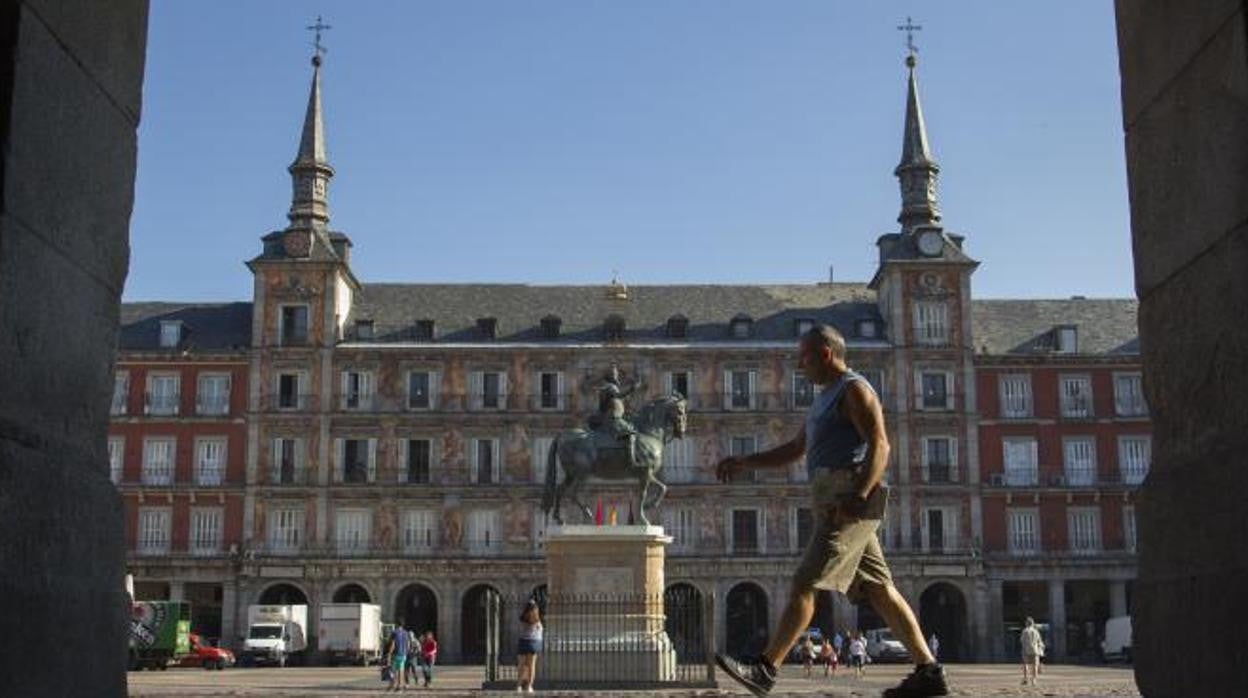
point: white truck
(350, 632)
(276, 634)
(1117, 643)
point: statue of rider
(611, 418)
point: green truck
(159, 633)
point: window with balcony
(1076, 397)
(351, 531)
(940, 529)
(549, 390)
(357, 460)
(1135, 453)
(541, 456)
(1023, 531)
(210, 461)
(746, 533)
(116, 458)
(931, 323)
(1129, 395)
(422, 390)
(484, 464)
(419, 530)
(680, 460)
(1079, 461)
(1084, 530)
(285, 530)
(158, 454)
(293, 329)
(287, 465)
(206, 527)
(803, 392)
(289, 391)
(803, 527)
(487, 390)
(739, 389)
(1021, 462)
(213, 394)
(677, 382)
(935, 390)
(679, 523)
(162, 394)
(742, 445)
(1128, 528)
(940, 454)
(121, 391)
(1015, 394)
(482, 532)
(358, 390)
(153, 531)
(417, 455)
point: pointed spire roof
(310, 172)
(914, 148)
(312, 140)
(917, 170)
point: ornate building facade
(389, 442)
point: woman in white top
(858, 653)
(1031, 646)
(530, 646)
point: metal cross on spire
(318, 49)
(910, 28)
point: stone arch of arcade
(472, 621)
(351, 592)
(748, 626)
(283, 593)
(416, 607)
(942, 611)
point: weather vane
(318, 49)
(910, 28)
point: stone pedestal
(604, 618)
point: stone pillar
(1118, 597)
(229, 614)
(69, 109)
(449, 621)
(1057, 618)
(980, 620)
(1184, 72)
(177, 590)
(996, 620)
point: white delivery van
(1117, 643)
(276, 634)
(350, 632)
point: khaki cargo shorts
(840, 558)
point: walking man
(846, 449)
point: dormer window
(678, 327)
(614, 328)
(424, 330)
(364, 329)
(1067, 337)
(487, 327)
(803, 325)
(170, 333)
(866, 328)
(551, 325)
(742, 326)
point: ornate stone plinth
(604, 617)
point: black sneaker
(926, 680)
(751, 673)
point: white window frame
(154, 529)
(1129, 402)
(204, 404)
(1079, 460)
(680, 460)
(1022, 540)
(680, 522)
(163, 405)
(540, 446)
(476, 390)
(1082, 537)
(495, 455)
(1067, 340)
(949, 526)
(482, 532)
(363, 394)
(340, 461)
(925, 456)
(121, 393)
(538, 397)
(751, 386)
(116, 458)
(420, 530)
(795, 533)
(1069, 401)
(157, 473)
(405, 449)
(281, 329)
(795, 380)
(760, 525)
(669, 383)
(286, 529)
(732, 444)
(170, 334)
(352, 530)
(435, 389)
(275, 460)
(1130, 540)
(1027, 475)
(206, 530)
(1130, 472)
(301, 380)
(207, 473)
(1014, 391)
(920, 402)
(931, 323)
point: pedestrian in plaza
(396, 655)
(412, 664)
(530, 647)
(808, 655)
(827, 657)
(428, 656)
(846, 447)
(858, 654)
(933, 644)
(1031, 646)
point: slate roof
(206, 326)
(1104, 326)
(519, 308)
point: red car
(206, 655)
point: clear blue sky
(678, 141)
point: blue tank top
(832, 442)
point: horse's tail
(552, 477)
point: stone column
(229, 615)
(996, 620)
(177, 590)
(981, 620)
(1118, 597)
(1057, 618)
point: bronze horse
(584, 453)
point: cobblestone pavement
(966, 680)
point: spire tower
(917, 171)
(310, 172)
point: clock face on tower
(931, 243)
(296, 243)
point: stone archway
(416, 608)
(942, 610)
(472, 622)
(283, 594)
(683, 621)
(748, 626)
(352, 593)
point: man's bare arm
(864, 412)
(777, 457)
